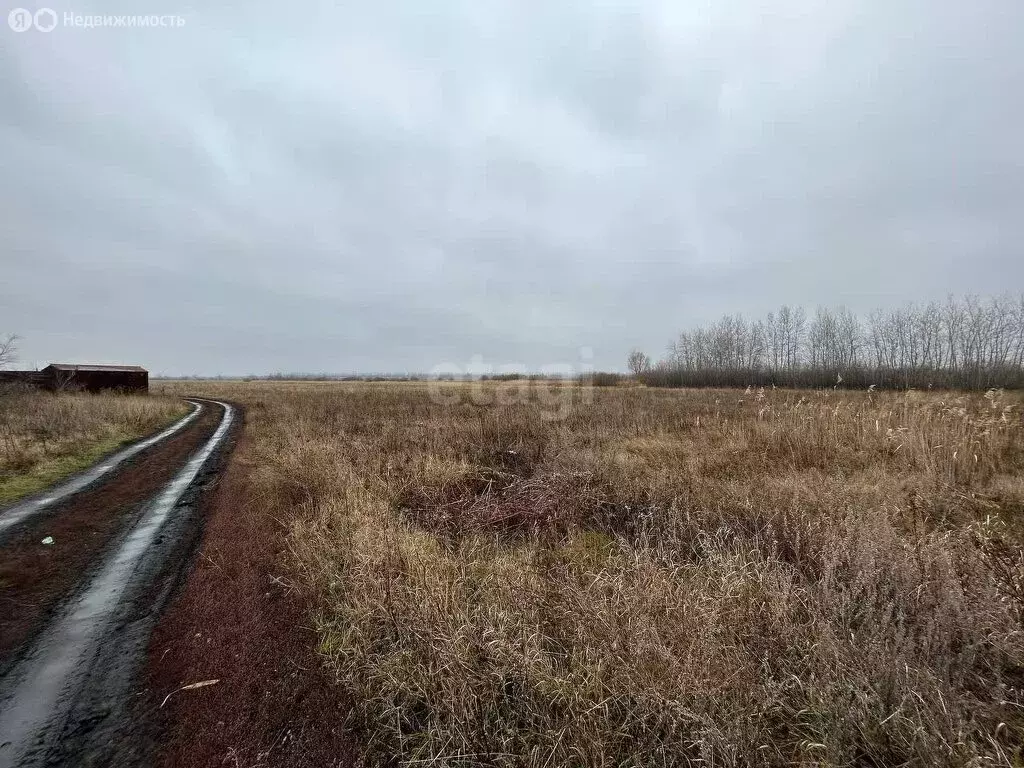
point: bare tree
(638, 362)
(792, 326)
(8, 350)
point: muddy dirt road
(77, 614)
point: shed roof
(89, 367)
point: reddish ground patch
(35, 578)
(236, 620)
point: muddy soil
(240, 619)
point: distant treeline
(370, 377)
(967, 343)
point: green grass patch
(42, 474)
(54, 469)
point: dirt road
(77, 614)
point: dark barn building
(96, 378)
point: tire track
(35, 580)
(55, 701)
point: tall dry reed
(663, 577)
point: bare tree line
(969, 342)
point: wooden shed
(96, 378)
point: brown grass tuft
(45, 436)
(662, 577)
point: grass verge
(46, 437)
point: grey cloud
(390, 188)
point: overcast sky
(387, 186)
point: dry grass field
(45, 437)
(656, 577)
